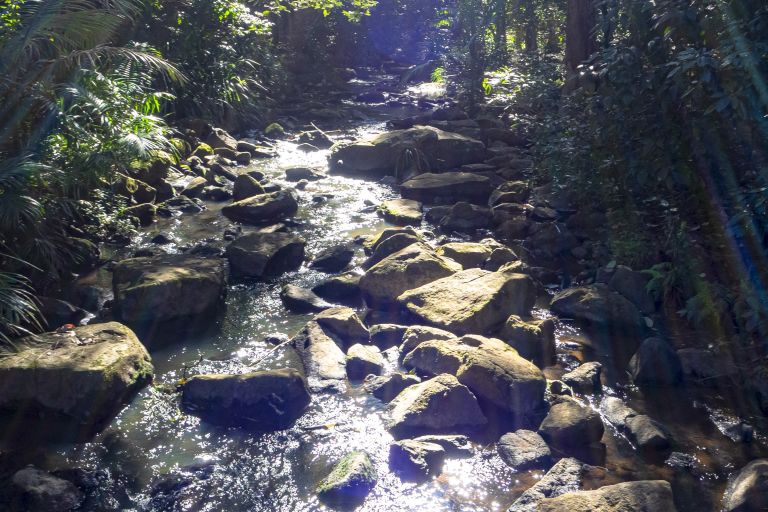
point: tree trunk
(579, 37)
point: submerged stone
(350, 481)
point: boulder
(656, 364)
(343, 288)
(408, 268)
(263, 401)
(303, 173)
(585, 379)
(415, 460)
(402, 212)
(385, 336)
(324, 362)
(195, 187)
(39, 491)
(534, 340)
(344, 324)
(387, 387)
(371, 243)
(599, 305)
(447, 187)
(333, 259)
(417, 334)
(438, 405)
(510, 192)
(570, 426)
(564, 477)
(219, 138)
(155, 291)
(265, 254)
(302, 300)
(144, 213)
(550, 240)
(465, 217)
(648, 435)
(632, 285)
(384, 154)
(491, 369)
(349, 482)
(390, 245)
(181, 204)
(246, 186)
(364, 360)
(80, 377)
(747, 490)
(470, 301)
(640, 496)
(524, 450)
(467, 254)
(263, 208)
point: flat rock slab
(263, 208)
(471, 301)
(156, 290)
(447, 187)
(263, 401)
(80, 376)
(324, 362)
(265, 254)
(403, 212)
(641, 496)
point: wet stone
(524, 450)
(302, 300)
(350, 481)
(363, 360)
(415, 460)
(387, 387)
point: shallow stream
(153, 457)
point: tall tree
(580, 41)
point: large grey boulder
(471, 301)
(392, 243)
(599, 305)
(748, 489)
(263, 401)
(648, 435)
(265, 254)
(386, 153)
(39, 491)
(585, 379)
(570, 426)
(447, 187)
(408, 268)
(246, 186)
(80, 377)
(349, 482)
(524, 450)
(490, 368)
(324, 362)
(265, 208)
(564, 477)
(641, 496)
(439, 405)
(157, 290)
(417, 334)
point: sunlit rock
(324, 361)
(640, 496)
(570, 426)
(415, 460)
(447, 187)
(350, 481)
(748, 489)
(533, 339)
(363, 360)
(263, 401)
(263, 208)
(524, 450)
(265, 254)
(77, 378)
(490, 368)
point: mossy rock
(350, 481)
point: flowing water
(153, 457)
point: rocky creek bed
(500, 387)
